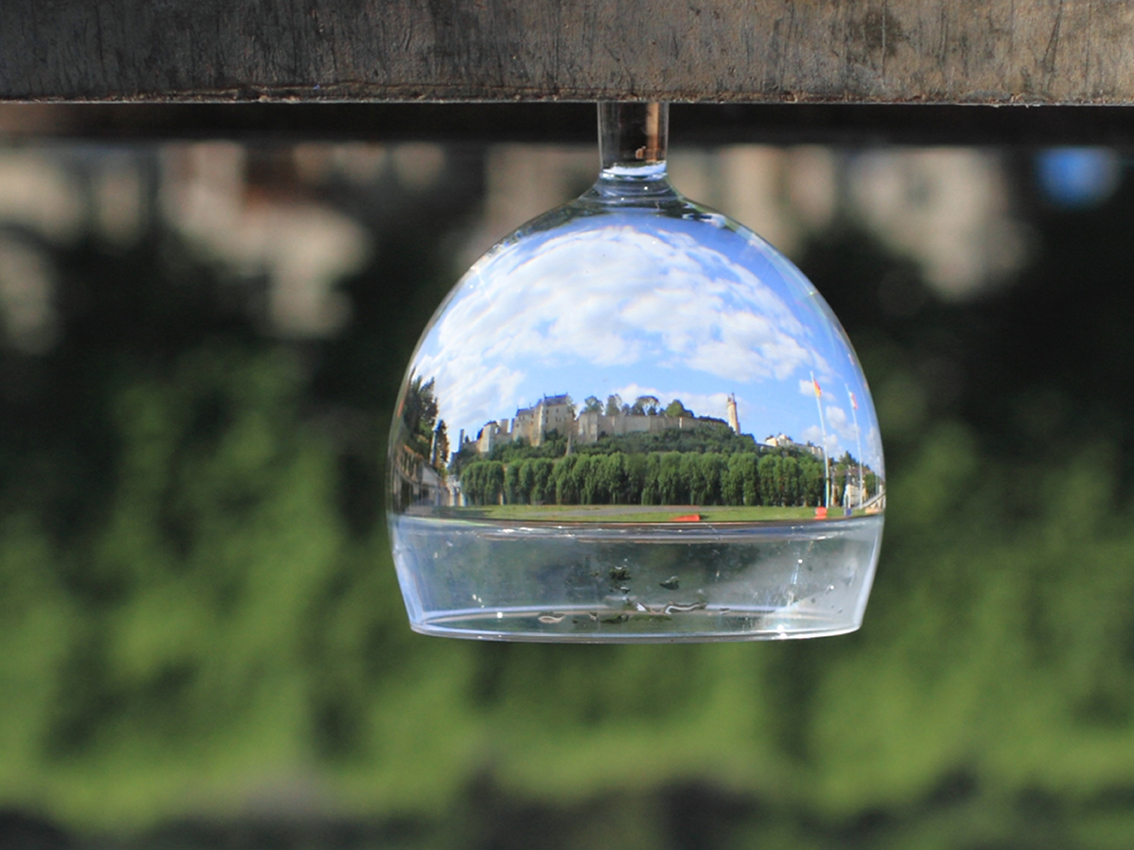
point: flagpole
(858, 436)
(826, 460)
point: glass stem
(633, 136)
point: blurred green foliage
(203, 642)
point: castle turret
(733, 419)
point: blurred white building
(947, 209)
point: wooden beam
(755, 51)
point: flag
(814, 383)
(853, 401)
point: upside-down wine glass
(633, 420)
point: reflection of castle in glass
(631, 504)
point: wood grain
(761, 51)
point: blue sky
(639, 304)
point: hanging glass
(634, 420)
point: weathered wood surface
(888, 51)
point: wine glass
(633, 420)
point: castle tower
(541, 422)
(733, 419)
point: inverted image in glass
(635, 420)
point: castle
(783, 441)
(557, 413)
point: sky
(640, 304)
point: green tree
(676, 409)
(419, 413)
(543, 487)
(586, 478)
(673, 481)
(472, 482)
(691, 483)
(512, 489)
(482, 482)
(739, 479)
(494, 482)
(440, 454)
(870, 480)
(635, 465)
(566, 485)
(592, 405)
(526, 476)
(812, 481)
(613, 479)
(651, 489)
(713, 469)
(770, 472)
(751, 479)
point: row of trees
(710, 436)
(658, 478)
(644, 405)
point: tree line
(657, 478)
(710, 436)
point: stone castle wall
(534, 423)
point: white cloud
(470, 401)
(611, 296)
(837, 420)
